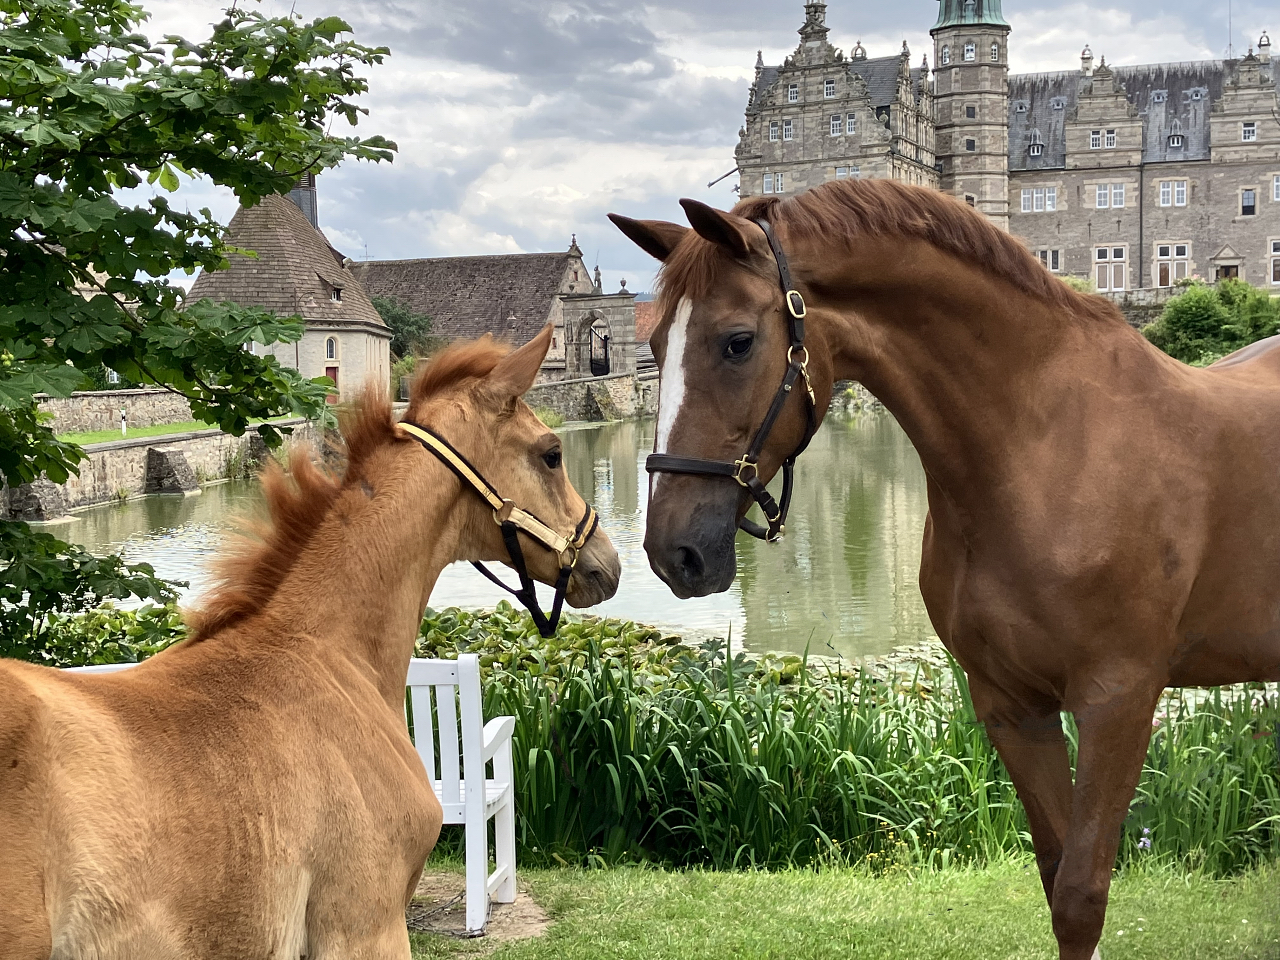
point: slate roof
(295, 270)
(880, 74)
(469, 296)
(1165, 95)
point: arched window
(946, 55)
(331, 348)
(995, 53)
(970, 51)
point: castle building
(1136, 176)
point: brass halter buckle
(740, 474)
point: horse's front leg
(1114, 736)
(1027, 733)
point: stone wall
(132, 467)
(84, 412)
(616, 397)
(1141, 307)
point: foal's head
(469, 395)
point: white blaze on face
(671, 381)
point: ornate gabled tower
(971, 57)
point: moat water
(843, 580)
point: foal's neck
(359, 589)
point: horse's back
(1261, 358)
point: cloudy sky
(521, 122)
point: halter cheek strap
(746, 470)
(513, 521)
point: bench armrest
(496, 734)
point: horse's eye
(738, 346)
(552, 459)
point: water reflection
(843, 578)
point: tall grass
(707, 760)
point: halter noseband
(746, 471)
(513, 521)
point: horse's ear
(516, 372)
(655, 237)
(724, 229)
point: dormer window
(335, 294)
(1159, 96)
(829, 89)
(1021, 106)
(1196, 94)
(1057, 103)
(1175, 141)
(1036, 149)
(970, 52)
(946, 55)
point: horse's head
(470, 397)
(722, 345)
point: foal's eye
(738, 346)
(552, 459)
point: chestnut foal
(252, 791)
(1104, 521)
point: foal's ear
(655, 237)
(724, 229)
(516, 372)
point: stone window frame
(331, 341)
(1095, 139)
(775, 131)
(970, 52)
(1109, 141)
(1254, 191)
(995, 53)
(1166, 253)
(945, 56)
(971, 111)
(1051, 259)
(788, 129)
(1110, 260)
(793, 93)
(1273, 246)
(837, 125)
(970, 145)
(851, 124)
(1275, 188)
(851, 172)
(1248, 131)
(1040, 199)
(1112, 192)
(828, 89)
(1171, 190)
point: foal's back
(226, 775)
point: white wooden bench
(467, 793)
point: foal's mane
(840, 212)
(250, 569)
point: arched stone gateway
(600, 334)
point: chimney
(304, 197)
(1086, 61)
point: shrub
(549, 417)
(102, 635)
(1080, 284)
(1206, 323)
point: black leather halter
(513, 521)
(746, 471)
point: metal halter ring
(804, 369)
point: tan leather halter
(513, 521)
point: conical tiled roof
(295, 271)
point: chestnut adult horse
(252, 791)
(1104, 521)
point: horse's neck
(359, 589)
(975, 371)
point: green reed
(692, 757)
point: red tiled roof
(646, 319)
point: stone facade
(1135, 177)
(821, 116)
(100, 410)
(617, 397)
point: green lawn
(159, 430)
(958, 914)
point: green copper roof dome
(952, 13)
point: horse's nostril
(690, 562)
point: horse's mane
(842, 211)
(250, 569)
